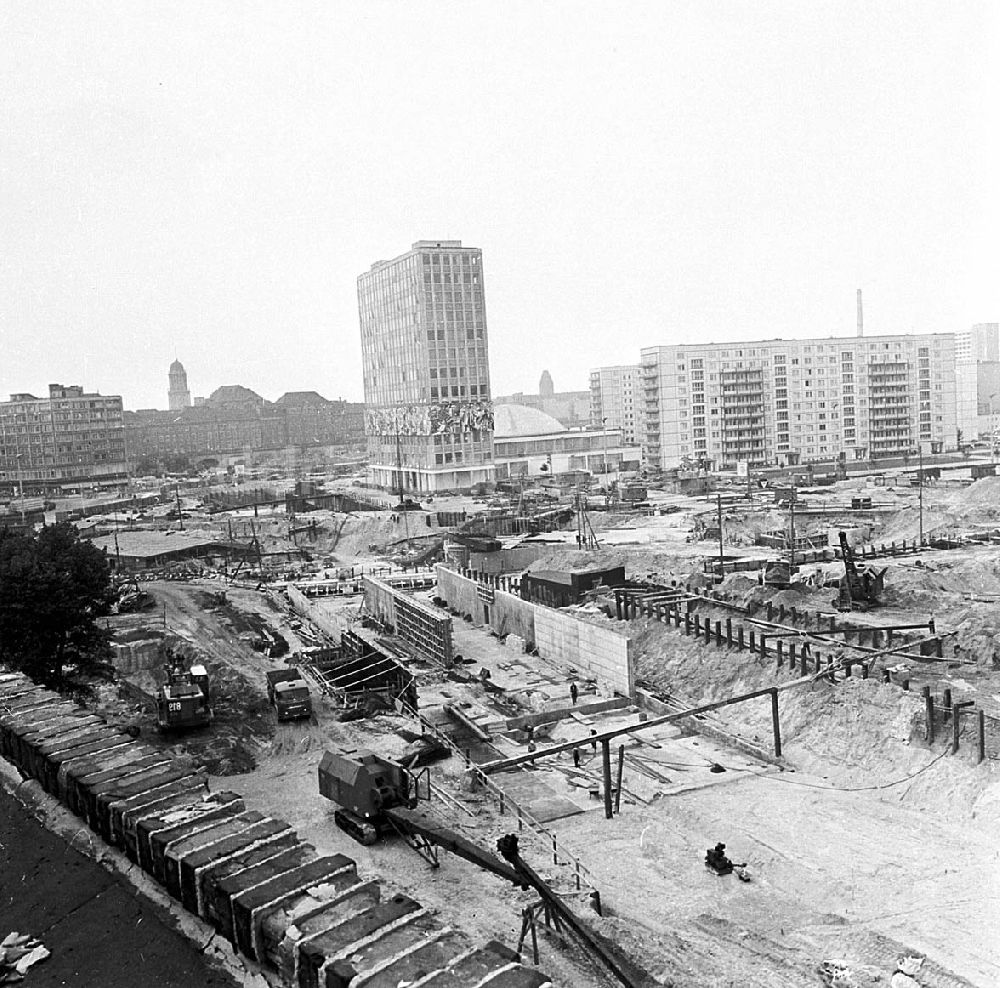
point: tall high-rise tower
(428, 413)
(178, 396)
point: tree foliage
(53, 587)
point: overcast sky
(207, 180)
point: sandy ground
(868, 845)
(837, 873)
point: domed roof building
(529, 443)
(510, 421)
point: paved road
(98, 927)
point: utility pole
(399, 475)
(180, 514)
(920, 488)
(604, 428)
(791, 540)
(722, 554)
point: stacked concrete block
(306, 916)
(135, 656)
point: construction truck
(184, 700)
(776, 573)
(288, 693)
(860, 587)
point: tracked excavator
(376, 796)
(860, 587)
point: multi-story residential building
(977, 352)
(792, 401)
(69, 438)
(981, 342)
(424, 347)
(616, 400)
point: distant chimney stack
(861, 317)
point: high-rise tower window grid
(424, 348)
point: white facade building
(424, 350)
(775, 402)
(616, 400)
(977, 351)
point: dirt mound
(860, 733)
(360, 531)
(640, 564)
(983, 496)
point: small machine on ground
(288, 693)
(184, 701)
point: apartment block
(616, 400)
(424, 347)
(981, 342)
(784, 402)
(977, 358)
(69, 437)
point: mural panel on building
(452, 417)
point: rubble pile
(18, 953)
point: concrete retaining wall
(424, 627)
(510, 615)
(460, 593)
(305, 916)
(380, 600)
(600, 653)
(301, 604)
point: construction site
(555, 736)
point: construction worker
(573, 692)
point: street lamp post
(604, 429)
(20, 484)
(993, 429)
(722, 549)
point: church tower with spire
(179, 396)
